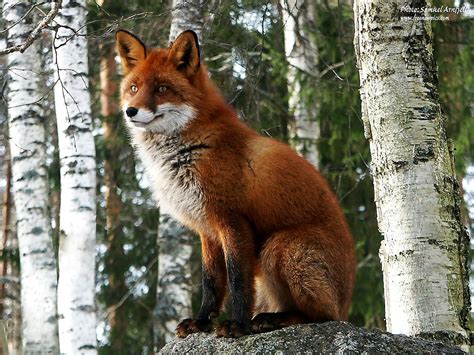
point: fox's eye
(134, 88)
(162, 88)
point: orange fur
(267, 218)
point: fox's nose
(131, 111)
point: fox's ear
(131, 49)
(185, 52)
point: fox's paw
(265, 322)
(231, 329)
(189, 326)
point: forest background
(243, 47)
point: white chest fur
(170, 163)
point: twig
(114, 307)
(331, 68)
(21, 18)
(55, 6)
(38, 100)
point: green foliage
(245, 55)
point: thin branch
(55, 6)
(38, 100)
(112, 308)
(21, 19)
(331, 68)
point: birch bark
(302, 56)
(424, 252)
(30, 188)
(187, 15)
(76, 302)
(174, 241)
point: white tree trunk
(186, 15)
(76, 297)
(174, 240)
(424, 252)
(30, 189)
(302, 56)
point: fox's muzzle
(131, 111)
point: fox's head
(163, 87)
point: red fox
(274, 239)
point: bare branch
(112, 308)
(21, 18)
(55, 6)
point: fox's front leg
(213, 289)
(240, 257)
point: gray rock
(325, 338)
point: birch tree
(175, 242)
(30, 187)
(424, 252)
(76, 299)
(302, 56)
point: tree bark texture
(424, 252)
(187, 15)
(30, 188)
(302, 57)
(76, 285)
(175, 242)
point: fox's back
(288, 186)
(270, 183)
